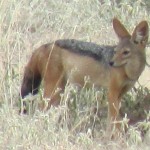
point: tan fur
(57, 65)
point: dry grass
(25, 25)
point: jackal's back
(97, 52)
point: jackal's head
(131, 47)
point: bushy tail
(30, 84)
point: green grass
(25, 25)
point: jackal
(114, 67)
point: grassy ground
(25, 25)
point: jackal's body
(71, 59)
(115, 67)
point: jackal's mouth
(112, 64)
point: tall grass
(25, 25)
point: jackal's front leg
(114, 103)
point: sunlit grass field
(79, 123)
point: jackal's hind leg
(52, 89)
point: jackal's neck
(135, 66)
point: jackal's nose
(111, 63)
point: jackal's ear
(120, 30)
(140, 33)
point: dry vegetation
(25, 25)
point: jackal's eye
(126, 52)
(136, 42)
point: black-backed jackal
(115, 67)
